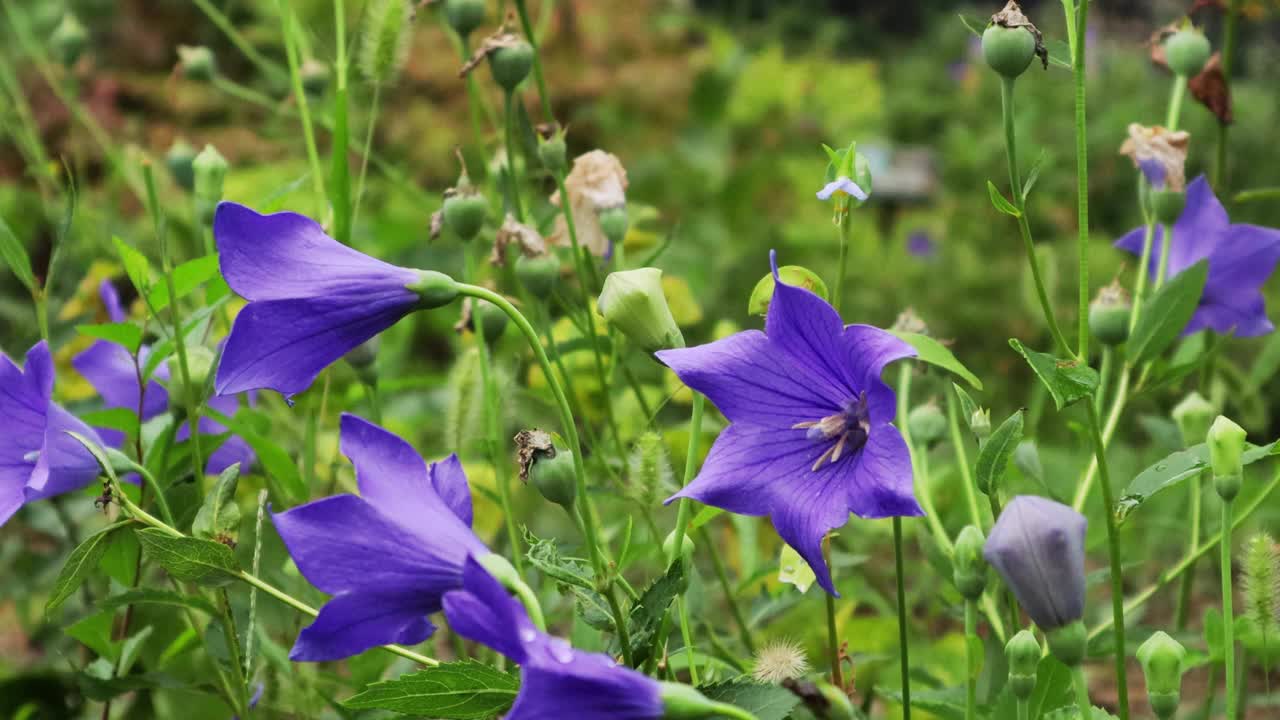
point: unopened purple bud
(1037, 546)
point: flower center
(847, 428)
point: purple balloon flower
(1241, 258)
(809, 439)
(38, 459)
(556, 681)
(388, 555)
(109, 368)
(1037, 546)
(311, 299)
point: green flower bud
(199, 365)
(686, 547)
(489, 320)
(464, 16)
(363, 357)
(838, 705)
(1023, 654)
(510, 65)
(1193, 416)
(968, 568)
(1008, 51)
(553, 475)
(1069, 643)
(434, 289)
(197, 62)
(614, 223)
(501, 569)
(980, 423)
(538, 274)
(1161, 659)
(552, 153)
(210, 170)
(1167, 205)
(1109, 315)
(464, 214)
(180, 159)
(68, 40)
(315, 77)
(632, 301)
(1187, 51)
(926, 423)
(682, 702)
(1226, 447)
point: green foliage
(1168, 313)
(465, 690)
(188, 559)
(1066, 380)
(765, 702)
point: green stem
(1078, 37)
(290, 23)
(730, 596)
(375, 401)
(1015, 182)
(364, 156)
(1024, 712)
(685, 508)
(1175, 102)
(1082, 692)
(1229, 35)
(838, 296)
(1228, 618)
(339, 169)
(919, 461)
(902, 619)
(232, 640)
(1162, 270)
(962, 458)
(687, 634)
(1104, 375)
(1184, 591)
(543, 96)
(1113, 548)
(833, 634)
(971, 660)
(513, 184)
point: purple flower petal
(450, 483)
(351, 623)
(844, 185)
(64, 463)
(111, 301)
(484, 612)
(110, 369)
(1037, 546)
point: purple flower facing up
(388, 555)
(311, 299)
(1241, 258)
(110, 368)
(556, 681)
(809, 439)
(38, 459)
(841, 186)
(1037, 546)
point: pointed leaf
(188, 559)
(275, 460)
(1066, 380)
(765, 702)
(935, 353)
(219, 516)
(1176, 468)
(1168, 313)
(647, 614)
(135, 266)
(81, 563)
(465, 690)
(993, 458)
(186, 277)
(999, 202)
(14, 255)
(125, 334)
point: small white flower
(780, 660)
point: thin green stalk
(1024, 712)
(1193, 541)
(1229, 36)
(375, 401)
(902, 619)
(290, 29)
(1015, 183)
(340, 170)
(1228, 617)
(232, 640)
(730, 596)
(1175, 102)
(513, 183)
(919, 461)
(1082, 692)
(1104, 375)
(228, 28)
(1113, 548)
(241, 92)
(1162, 270)
(833, 634)
(971, 659)
(685, 507)
(1078, 38)
(253, 591)
(686, 633)
(364, 155)
(962, 459)
(838, 296)
(543, 96)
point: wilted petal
(1037, 545)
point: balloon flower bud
(1069, 643)
(1167, 205)
(926, 423)
(980, 423)
(1226, 451)
(197, 62)
(969, 569)
(180, 159)
(1037, 546)
(686, 547)
(1161, 658)
(1010, 42)
(1109, 315)
(363, 357)
(614, 223)
(464, 211)
(632, 301)
(464, 16)
(210, 171)
(434, 289)
(68, 40)
(548, 467)
(1023, 655)
(553, 153)
(1187, 51)
(489, 320)
(1193, 416)
(511, 64)
(538, 274)
(199, 365)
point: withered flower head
(1160, 154)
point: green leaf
(465, 690)
(14, 254)
(944, 704)
(163, 349)
(275, 460)
(1167, 314)
(1032, 176)
(82, 562)
(125, 333)
(993, 458)
(967, 405)
(219, 516)
(544, 554)
(791, 275)
(765, 702)
(1066, 380)
(594, 609)
(1000, 203)
(186, 277)
(646, 615)
(704, 516)
(1059, 53)
(122, 419)
(1176, 468)
(150, 596)
(975, 25)
(135, 266)
(189, 559)
(935, 353)
(793, 570)
(94, 632)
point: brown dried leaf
(531, 445)
(1211, 89)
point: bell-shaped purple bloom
(388, 555)
(809, 439)
(311, 299)
(38, 459)
(1037, 546)
(110, 368)
(1241, 258)
(556, 681)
